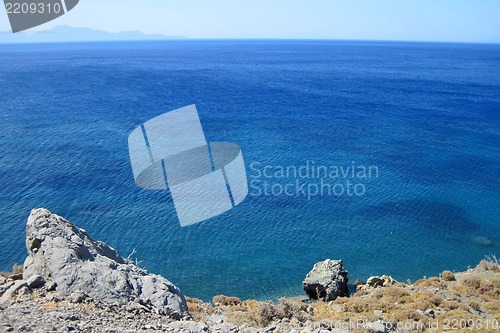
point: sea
(383, 154)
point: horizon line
(189, 39)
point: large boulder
(327, 280)
(67, 255)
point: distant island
(64, 33)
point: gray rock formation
(66, 255)
(377, 281)
(327, 280)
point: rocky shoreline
(72, 283)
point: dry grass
(448, 276)
(473, 282)
(199, 309)
(226, 300)
(432, 282)
(399, 303)
(475, 305)
(51, 306)
(452, 296)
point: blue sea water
(426, 115)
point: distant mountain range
(65, 33)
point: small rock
(13, 288)
(430, 313)
(24, 293)
(374, 282)
(53, 298)
(78, 297)
(378, 312)
(51, 286)
(36, 281)
(22, 328)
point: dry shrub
(426, 300)
(490, 264)
(324, 310)
(16, 270)
(291, 309)
(266, 313)
(365, 305)
(425, 283)
(263, 313)
(460, 315)
(51, 306)
(357, 306)
(472, 282)
(475, 305)
(448, 276)
(246, 313)
(199, 309)
(397, 294)
(493, 306)
(432, 298)
(432, 282)
(495, 283)
(450, 306)
(226, 300)
(404, 314)
(461, 290)
(360, 293)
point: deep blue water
(426, 115)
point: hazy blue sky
(430, 20)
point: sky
(405, 20)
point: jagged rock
(15, 277)
(2, 279)
(9, 290)
(430, 313)
(24, 293)
(377, 281)
(67, 255)
(51, 286)
(36, 281)
(327, 280)
(77, 297)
